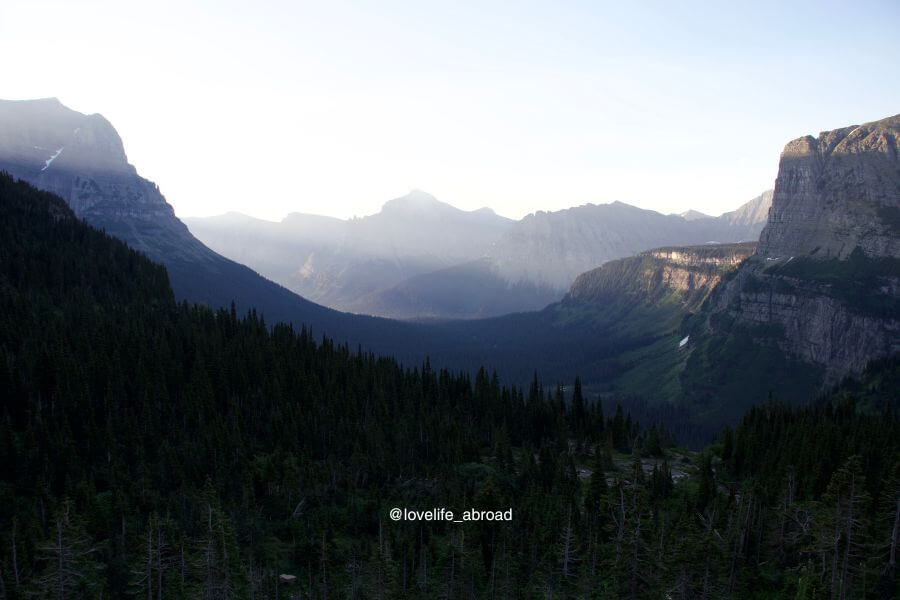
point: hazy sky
(269, 107)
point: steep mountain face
(824, 283)
(81, 158)
(838, 193)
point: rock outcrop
(824, 283)
(838, 193)
(81, 158)
(691, 272)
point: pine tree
(71, 569)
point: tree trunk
(892, 562)
(16, 564)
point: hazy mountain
(552, 248)
(693, 215)
(82, 159)
(338, 262)
(751, 216)
(421, 258)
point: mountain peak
(416, 201)
(44, 138)
(693, 215)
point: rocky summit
(81, 158)
(838, 193)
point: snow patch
(51, 159)
(684, 342)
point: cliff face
(824, 284)
(842, 333)
(81, 158)
(837, 193)
(691, 272)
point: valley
(691, 417)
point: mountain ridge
(373, 265)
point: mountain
(420, 258)
(690, 273)
(822, 290)
(715, 329)
(339, 263)
(552, 249)
(541, 255)
(723, 327)
(752, 216)
(81, 158)
(642, 303)
(693, 215)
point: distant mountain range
(344, 264)
(420, 258)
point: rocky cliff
(691, 272)
(81, 158)
(837, 193)
(824, 283)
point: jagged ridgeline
(161, 450)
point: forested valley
(152, 449)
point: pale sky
(332, 107)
